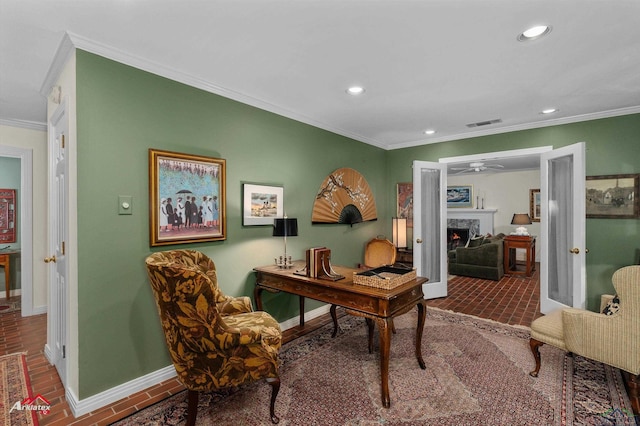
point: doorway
(24, 223)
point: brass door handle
(574, 250)
(50, 259)
(419, 241)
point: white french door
(429, 226)
(563, 228)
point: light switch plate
(125, 204)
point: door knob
(50, 259)
(419, 241)
(574, 250)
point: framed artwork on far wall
(460, 196)
(613, 196)
(187, 198)
(261, 204)
(8, 223)
(404, 202)
(534, 204)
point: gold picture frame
(534, 204)
(187, 198)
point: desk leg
(422, 314)
(385, 346)
(301, 301)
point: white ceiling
(438, 64)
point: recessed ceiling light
(534, 32)
(429, 132)
(549, 110)
(355, 90)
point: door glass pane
(430, 220)
(560, 230)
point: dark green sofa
(485, 260)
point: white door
(57, 321)
(563, 228)
(429, 226)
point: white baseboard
(110, 396)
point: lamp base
(284, 262)
(521, 230)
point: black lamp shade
(286, 227)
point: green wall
(10, 179)
(122, 112)
(612, 147)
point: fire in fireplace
(457, 237)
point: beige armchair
(215, 341)
(611, 339)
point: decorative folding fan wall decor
(344, 197)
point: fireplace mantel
(484, 216)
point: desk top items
(344, 197)
(285, 227)
(386, 277)
(7, 215)
(318, 264)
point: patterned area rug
(15, 387)
(477, 374)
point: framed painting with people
(187, 198)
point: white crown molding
(64, 52)
(31, 125)
(125, 58)
(525, 126)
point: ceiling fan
(478, 167)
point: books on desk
(319, 264)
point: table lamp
(285, 227)
(521, 219)
(399, 232)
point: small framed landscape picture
(613, 196)
(262, 204)
(460, 196)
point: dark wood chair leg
(334, 317)
(192, 407)
(535, 349)
(275, 388)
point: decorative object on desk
(344, 197)
(319, 264)
(285, 227)
(460, 196)
(534, 204)
(8, 216)
(399, 232)
(404, 209)
(261, 204)
(386, 277)
(613, 196)
(521, 219)
(187, 198)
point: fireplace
(457, 237)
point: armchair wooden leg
(535, 349)
(192, 407)
(633, 389)
(275, 388)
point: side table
(513, 242)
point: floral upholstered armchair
(215, 341)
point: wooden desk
(513, 242)
(376, 305)
(5, 261)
